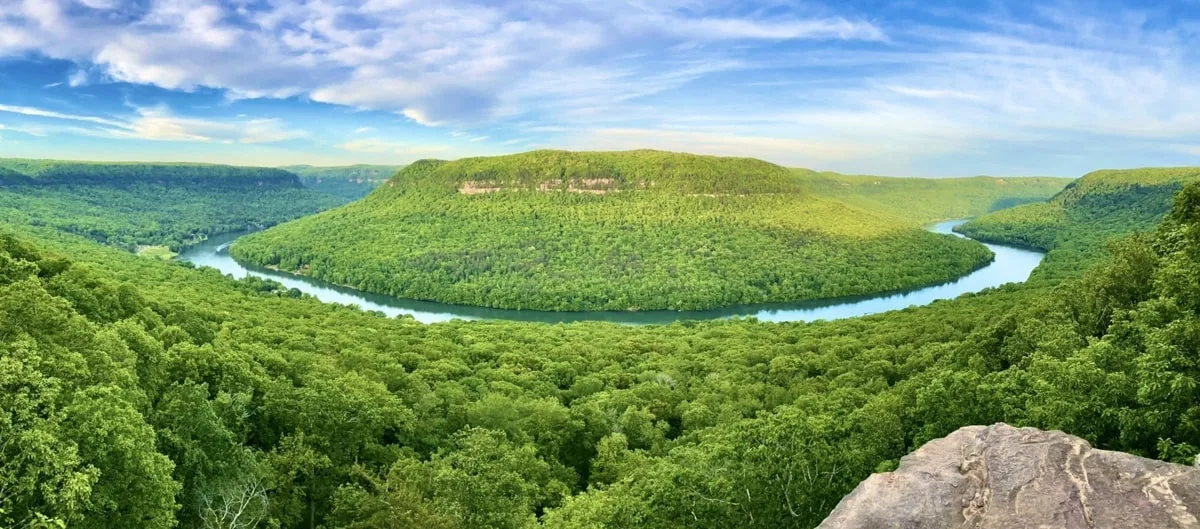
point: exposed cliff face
(1000, 477)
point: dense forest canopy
(139, 393)
(57, 172)
(639, 230)
(1074, 225)
(133, 205)
(351, 182)
(598, 171)
(923, 199)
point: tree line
(662, 231)
(134, 204)
(137, 393)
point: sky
(917, 88)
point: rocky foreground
(1000, 477)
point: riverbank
(1009, 265)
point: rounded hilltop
(598, 173)
(1075, 224)
(635, 230)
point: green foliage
(353, 420)
(598, 171)
(641, 230)
(138, 205)
(925, 200)
(350, 182)
(1074, 225)
(141, 393)
(58, 172)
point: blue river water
(1010, 265)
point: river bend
(1010, 265)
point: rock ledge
(1000, 477)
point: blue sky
(866, 86)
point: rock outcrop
(1000, 477)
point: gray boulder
(1000, 477)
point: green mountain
(927, 199)
(152, 208)
(638, 230)
(58, 173)
(350, 182)
(139, 393)
(1074, 225)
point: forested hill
(147, 394)
(1075, 224)
(149, 207)
(636, 230)
(350, 181)
(925, 199)
(597, 173)
(16, 171)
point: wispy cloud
(783, 149)
(468, 56)
(902, 87)
(37, 112)
(77, 78)
(403, 149)
(158, 123)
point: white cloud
(158, 123)
(783, 150)
(99, 4)
(269, 131)
(965, 83)
(734, 28)
(456, 62)
(418, 116)
(29, 131)
(397, 148)
(37, 112)
(77, 78)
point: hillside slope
(1074, 225)
(140, 389)
(60, 172)
(151, 207)
(350, 182)
(926, 200)
(638, 230)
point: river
(1010, 265)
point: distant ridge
(617, 231)
(59, 172)
(1075, 224)
(350, 182)
(1166, 180)
(598, 172)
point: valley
(135, 205)
(692, 264)
(625, 231)
(1010, 265)
(142, 387)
